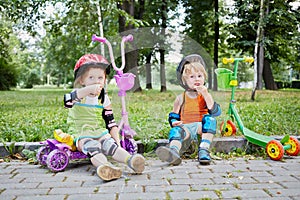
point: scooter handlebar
(249, 59)
(128, 38)
(227, 60)
(98, 39)
(232, 60)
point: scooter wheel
(57, 160)
(295, 147)
(42, 154)
(230, 128)
(275, 150)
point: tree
(8, 74)
(132, 56)
(280, 25)
(202, 20)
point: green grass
(32, 115)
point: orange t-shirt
(192, 109)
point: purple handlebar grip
(98, 39)
(128, 38)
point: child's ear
(81, 81)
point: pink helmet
(88, 60)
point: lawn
(32, 115)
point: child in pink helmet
(193, 114)
(83, 119)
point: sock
(206, 140)
(121, 155)
(176, 145)
(99, 159)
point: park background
(41, 41)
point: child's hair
(193, 67)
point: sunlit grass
(32, 115)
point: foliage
(281, 24)
(33, 115)
(69, 27)
(8, 73)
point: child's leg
(92, 148)
(171, 154)
(110, 148)
(209, 125)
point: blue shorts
(192, 128)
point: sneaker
(108, 172)
(137, 163)
(169, 155)
(203, 156)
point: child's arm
(78, 94)
(110, 123)
(91, 90)
(213, 108)
(174, 117)
(114, 132)
(206, 95)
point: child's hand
(202, 90)
(177, 123)
(95, 90)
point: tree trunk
(261, 58)
(268, 77)
(148, 72)
(258, 52)
(132, 56)
(100, 28)
(216, 49)
(163, 84)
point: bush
(8, 75)
(296, 84)
(283, 84)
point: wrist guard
(69, 98)
(173, 117)
(109, 119)
(215, 111)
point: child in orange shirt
(194, 113)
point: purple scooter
(125, 81)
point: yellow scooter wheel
(295, 147)
(275, 150)
(230, 128)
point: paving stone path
(222, 179)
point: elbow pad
(109, 119)
(69, 98)
(173, 117)
(215, 111)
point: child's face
(93, 76)
(195, 79)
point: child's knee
(91, 147)
(109, 146)
(177, 133)
(209, 124)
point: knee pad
(109, 146)
(209, 124)
(177, 133)
(91, 148)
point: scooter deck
(255, 138)
(263, 140)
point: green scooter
(274, 148)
